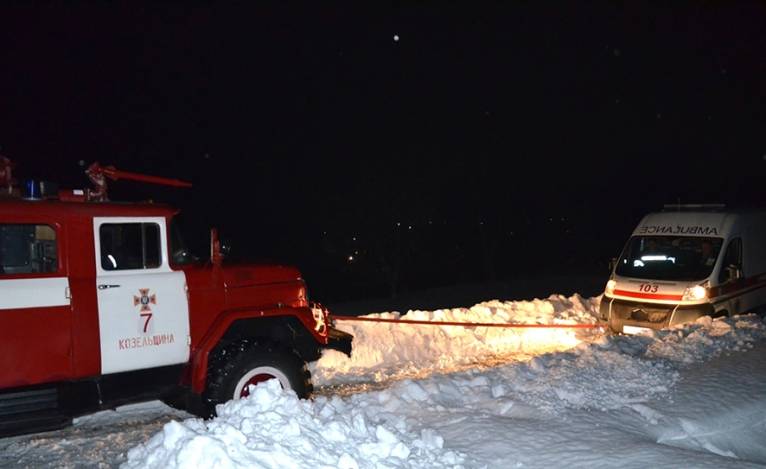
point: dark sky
(497, 133)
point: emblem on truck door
(144, 300)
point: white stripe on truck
(21, 293)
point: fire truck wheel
(236, 367)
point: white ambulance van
(686, 262)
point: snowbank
(272, 428)
(604, 402)
(384, 350)
(611, 373)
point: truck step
(28, 401)
(31, 411)
(33, 422)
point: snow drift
(572, 405)
(385, 350)
(273, 428)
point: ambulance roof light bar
(690, 207)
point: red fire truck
(100, 306)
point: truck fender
(200, 355)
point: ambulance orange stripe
(651, 296)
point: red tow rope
(469, 324)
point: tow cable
(468, 324)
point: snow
(275, 429)
(96, 440)
(474, 397)
(383, 350)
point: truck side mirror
(612, 264)
(216, 257)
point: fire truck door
(142, 304)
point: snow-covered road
(427, 396)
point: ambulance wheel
(722, 314)
(245, 363)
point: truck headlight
(610, 286)
(697, 292)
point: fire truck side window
(130, 246)
(27, 249)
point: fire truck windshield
(682, 258)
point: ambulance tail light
(695, 293)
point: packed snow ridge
(439, 419)
(384, 350)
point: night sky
(396, 148)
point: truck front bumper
(339, 340)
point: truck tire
(245, 362)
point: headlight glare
(697, 292)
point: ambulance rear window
(27, 249)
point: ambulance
(686, 262)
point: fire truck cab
(686, 262)
(99, 308)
